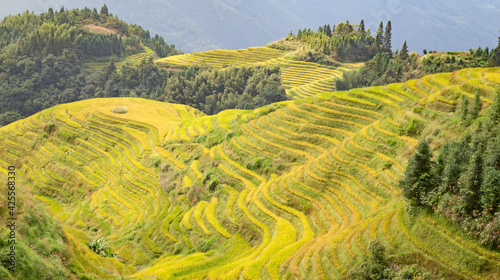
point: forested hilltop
(385, 63)
(69, 55)
(41, 57)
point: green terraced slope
(133, 59)
(294, 190)
(300, 79)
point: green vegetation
(101, 248)
(386, 68)
(463, 183)
(376, 266)
(41, 57)
(342, 42)
(214, 90)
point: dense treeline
(400, 66)
(463, 182)
(41, 57)
(384, 68)
(212, 91)
(209, 90)
(31, 84)
(341, 42)
(158, 45)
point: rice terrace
(313, 186)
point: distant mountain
(232, 24)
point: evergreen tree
(380, 37)
(451, 172)
(404, 52)
(328, 30)
(490, 190)
(361, 28)
(492, 153)
(464, 110)
(388, 37)
(473, 178)
(104, 10)
(494, 113)
(418, 180)
(477, 106)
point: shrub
(49, 128)
(258, 163)
(120, 110)
(414, 128)
(413, 272)
(101, 248)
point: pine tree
(418, 180)
(492, 153)
(388, 37)
(104, 10)
(379, 37)
(473, 178)
(451, 172)
(490, 190)
(464, 110)
(494, 113)
(404, 52)
(477, 106)
(328, 30)
(361, 28)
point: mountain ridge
(218, 22)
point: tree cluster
(463, 183)
(377, 266)
(385, 68)
(41, 57)
(344, 41)
(212, 91)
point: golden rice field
(223, 58)
(294, 190)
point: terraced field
(300, 79)
(223, 58)
(133, 59)
(294, 190)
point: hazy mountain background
(194, 25)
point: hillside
(68, 55)
(299, 78)
(295, 189)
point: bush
(413, 272)
(373, 267)
(49, 128)
(101, 248)
(414, 128)
(258, 163)
(120, 110)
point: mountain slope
(178, 195)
